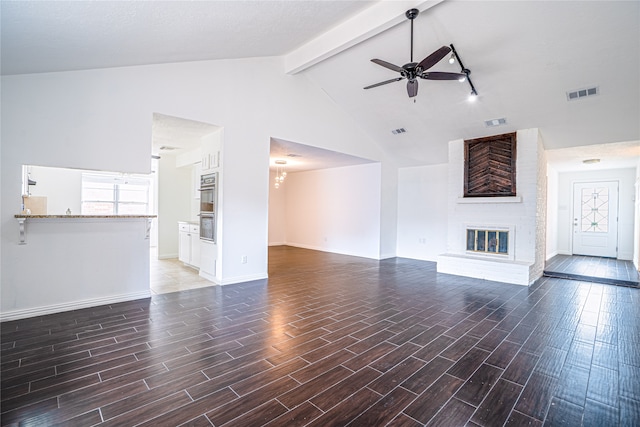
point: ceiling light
(452, 59)
(462, 79)
(591, 161)
(280, 172)
(466, 72)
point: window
(490, 166)
(115, 194)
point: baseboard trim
(242, 279)
(167, 256)
(321, 249)
(75, 305)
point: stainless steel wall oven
(208, 199)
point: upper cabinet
(211, 145)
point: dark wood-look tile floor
(593, 269)
(331, 340)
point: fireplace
(488, 241)
(493, 241)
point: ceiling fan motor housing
(412, 13)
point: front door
(595, 219)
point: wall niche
(490, 166)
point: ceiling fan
(414, 70)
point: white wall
(552, 213)
(335, 210)
(97, 258)
(174, 204)
(626, 200)
(422, 212)
(101, 119)
(277, 212)
(636, 239)
(61, 187)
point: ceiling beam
(368, 23)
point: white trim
(551, 255)
(242, 279)
(75, 305)
(322, 249)
(478, 200)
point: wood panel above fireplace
(490, 166)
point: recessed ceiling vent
(398, 131)
(294, 155)
(495, 122)
(582, 93)
(168, 148)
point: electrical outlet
(243, 259)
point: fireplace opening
(495, 242)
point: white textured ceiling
(44, 36)
(524, 56)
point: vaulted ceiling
(524, 57)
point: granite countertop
(83, 216)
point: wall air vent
(398, 131)
(582, 93)
(495, 122)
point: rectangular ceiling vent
(398, 131)
(168, 148)
(495, 122)
(582, 93)
(293, 155)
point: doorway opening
(329, 201)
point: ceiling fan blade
(439, 75)
(412, 88)
(384, 82)
(388, 65)
(434, 58)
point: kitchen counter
(67, 219)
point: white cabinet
(189, 243)
(211, 145)
(210, 158)
(209, 256)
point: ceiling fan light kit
(414, 70)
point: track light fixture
(465, 71)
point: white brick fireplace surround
(523, 215)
